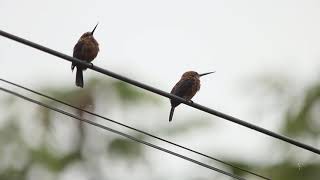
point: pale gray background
(156, 41)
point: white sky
(156, 41)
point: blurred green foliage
(300, 120)
(304, 120)
(125, 149)
(96, 93)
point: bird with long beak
(86, 49)
(186, 88)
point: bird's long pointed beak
(206, 73)
(94, 29)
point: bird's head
(193, 74)
(89, 34)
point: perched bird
(86, 49)
(186, 88)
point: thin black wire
(122, 134)
(160, 92)
(132, 128)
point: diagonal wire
(135, 129)
(162, 93)
(121, 134)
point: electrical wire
(160, 92)
(121, 134)
(132, 128)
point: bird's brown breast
(86, 49)
(193, 89)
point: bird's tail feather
(79, 78)
(171, 113)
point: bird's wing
(183, 88)
(77, 50)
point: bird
(186, 88)
(86, 49)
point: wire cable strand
(135, 129)
(121, 134)
(160, 92)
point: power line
(135, 129)
(121, 134)
(160, 92)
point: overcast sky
(156, 41)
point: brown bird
(86, 49)
(186, 88)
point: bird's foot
(72, 67)
(190, 101)
(90, 65)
